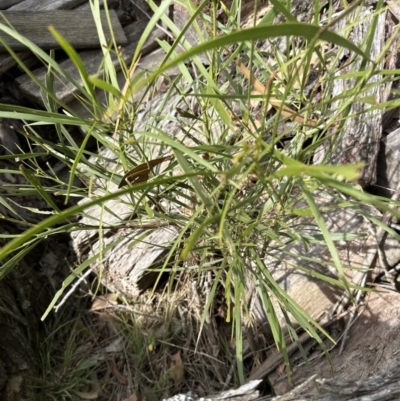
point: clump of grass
(242, 194)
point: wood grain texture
(111, 4)
(148, 63)
(46, 5)
(6, 61)
(4, 4)
(77, 27)
(368, 370)
(358, 140)
(92, 60)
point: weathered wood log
(284, 262)
(46, 5)
(4, 4)
(6, 61)
(92, 59)
(359, 138)
(155, 241)
(371, 349)
(86, 6)
(77, 27)
(381, 387)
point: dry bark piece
(77, 27)
(125, 273)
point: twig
(72, 289)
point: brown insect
(141, 172)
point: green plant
(243, 197)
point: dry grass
(151, 348)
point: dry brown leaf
(120, 378)
(104, 301)
(141, 172)
(260, 88)
(177, 370)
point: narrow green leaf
(40, 190)
(76, 59)
(257, 33)
(327, 236)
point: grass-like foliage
(242, 196)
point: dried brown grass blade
(122, 101)
(262, 90)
